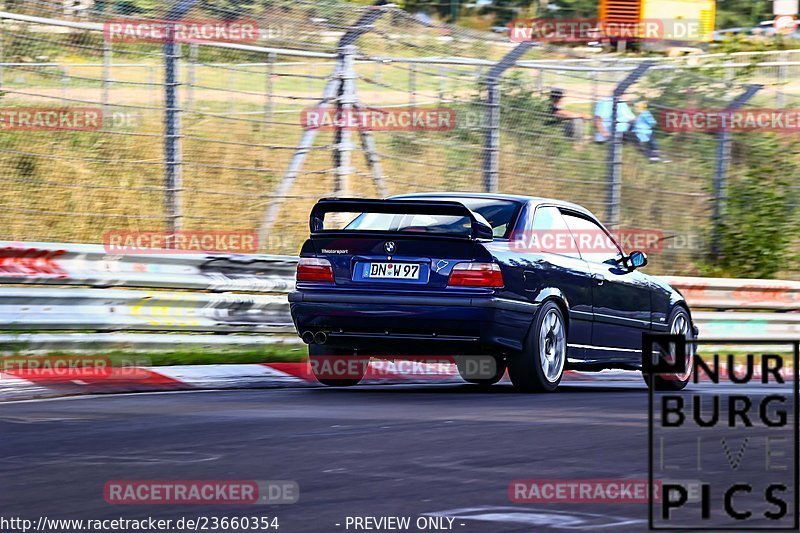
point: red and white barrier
(28, 384)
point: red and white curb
(23, 385)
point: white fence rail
(79, 295)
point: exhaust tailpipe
(320, 337)
(308, 337)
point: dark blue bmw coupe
(537, 284)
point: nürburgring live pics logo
(732, 435)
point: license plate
(393, 271)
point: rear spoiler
(479, 229)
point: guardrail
(81, 295)
(65, 288)
(90, 265)
(730, 293)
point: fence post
(780, 94)
(333, 90)
(191, 76)
(491, 143)
(491, 149)
(172, 136)
(342, 144)
(721, 171)
(64, 81)
(594, 101)
(106, 73)
(614, 190)
(2, 53)
(151, 82)
(269, 89)
(442, 81)
(412, 83)
(233, 79)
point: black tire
(463, 371)
(526, 369)
(674, 382)
(325, 364)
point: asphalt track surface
(404, 450)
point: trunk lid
(396, 244)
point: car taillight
(476, 275)
(314, 269)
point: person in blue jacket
(637, 129)
(644, 132)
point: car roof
(535, 200)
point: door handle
(599, 278)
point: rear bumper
(401, 324)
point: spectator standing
(644, 132)
(602, 119)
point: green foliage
(739, 13)
(760, 223)
(747, 43)
(703, 87)
(577, 8)
(503, 11)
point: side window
(551, 234)
(594, 243)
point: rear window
(499, 214)
(442, 224)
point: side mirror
(637, 260)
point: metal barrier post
(343, 147)
(191, 76)
(2, 54)
(106, 73)
(594, 101)
(442, 80)
(269, 89)
(173, 158)
(332, 89)
(614, 192)
(172, 137)
(783, 74)
(721, 172)
(412, 84)
(151, 83)
(491, 144)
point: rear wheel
(540, 366)
(471, 376)
(336, 367)
(679, 324)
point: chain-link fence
(207, 135)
